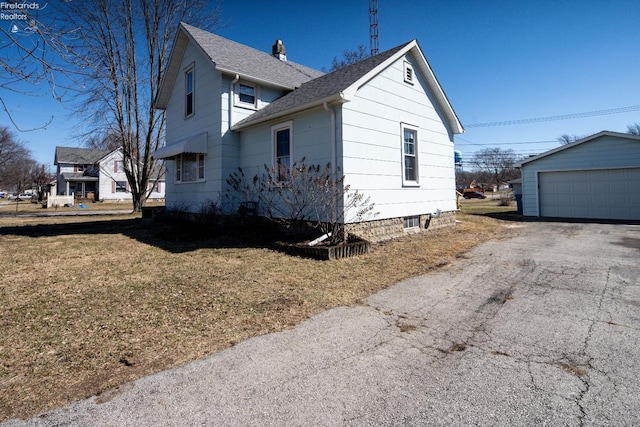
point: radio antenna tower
(373, 26)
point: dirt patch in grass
(89, 304)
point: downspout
(231, 96)
(332, 137)
(334, 210)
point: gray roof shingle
(79, 156)
(320, 88)
(235, 58)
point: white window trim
(190, 69)
(274, 129)
(406, 182)
(180, 167)
(236, 96)
(409, 73)
(415, 219)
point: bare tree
(349, 57)
(498, 163)
(14, 157)
(109, 141)
(566, 139)
(634, 129)
(122, 48)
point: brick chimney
(279, 51)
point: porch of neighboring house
(82, 186)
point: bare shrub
(302, 195)
(505, 198)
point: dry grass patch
(89, 304)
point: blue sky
(497, 61)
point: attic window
(408, 73)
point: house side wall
(601, 153)
(311, 140)
(206, 118)
(61, 184)
(231, 149)
(109, 175)
(372, 146)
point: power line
(618, 110)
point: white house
(384, 122)
(596, 177)
(96, 174)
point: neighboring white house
(596, 177)
(96, 174)
(384, 122)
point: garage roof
(578, 142)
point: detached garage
(597, 177)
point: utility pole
(373, 26)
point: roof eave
(340, 97)
(578, 142)
(444, 104)
(253, 79)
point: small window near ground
(412, 222)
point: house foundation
(386, 229)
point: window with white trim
(246, 95)
(409, 75)
(411, 222)
(282, 143)
(190, 167)
(189, 100)
(409, 155)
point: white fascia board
(331, 99)
(173, 68)
(351, 90)
(434, 85)
(431, 80)
(578, 142)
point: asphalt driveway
(542, 328)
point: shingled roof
(78, 156)
(309, 88)
(233, 58)
(329, 87)
(342, 84)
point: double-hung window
(281, 135)
(189, 100)
(246, 95)
(409, 155)
(190, 167)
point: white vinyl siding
(373, 153)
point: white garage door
(595, 194)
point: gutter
(338, 97)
